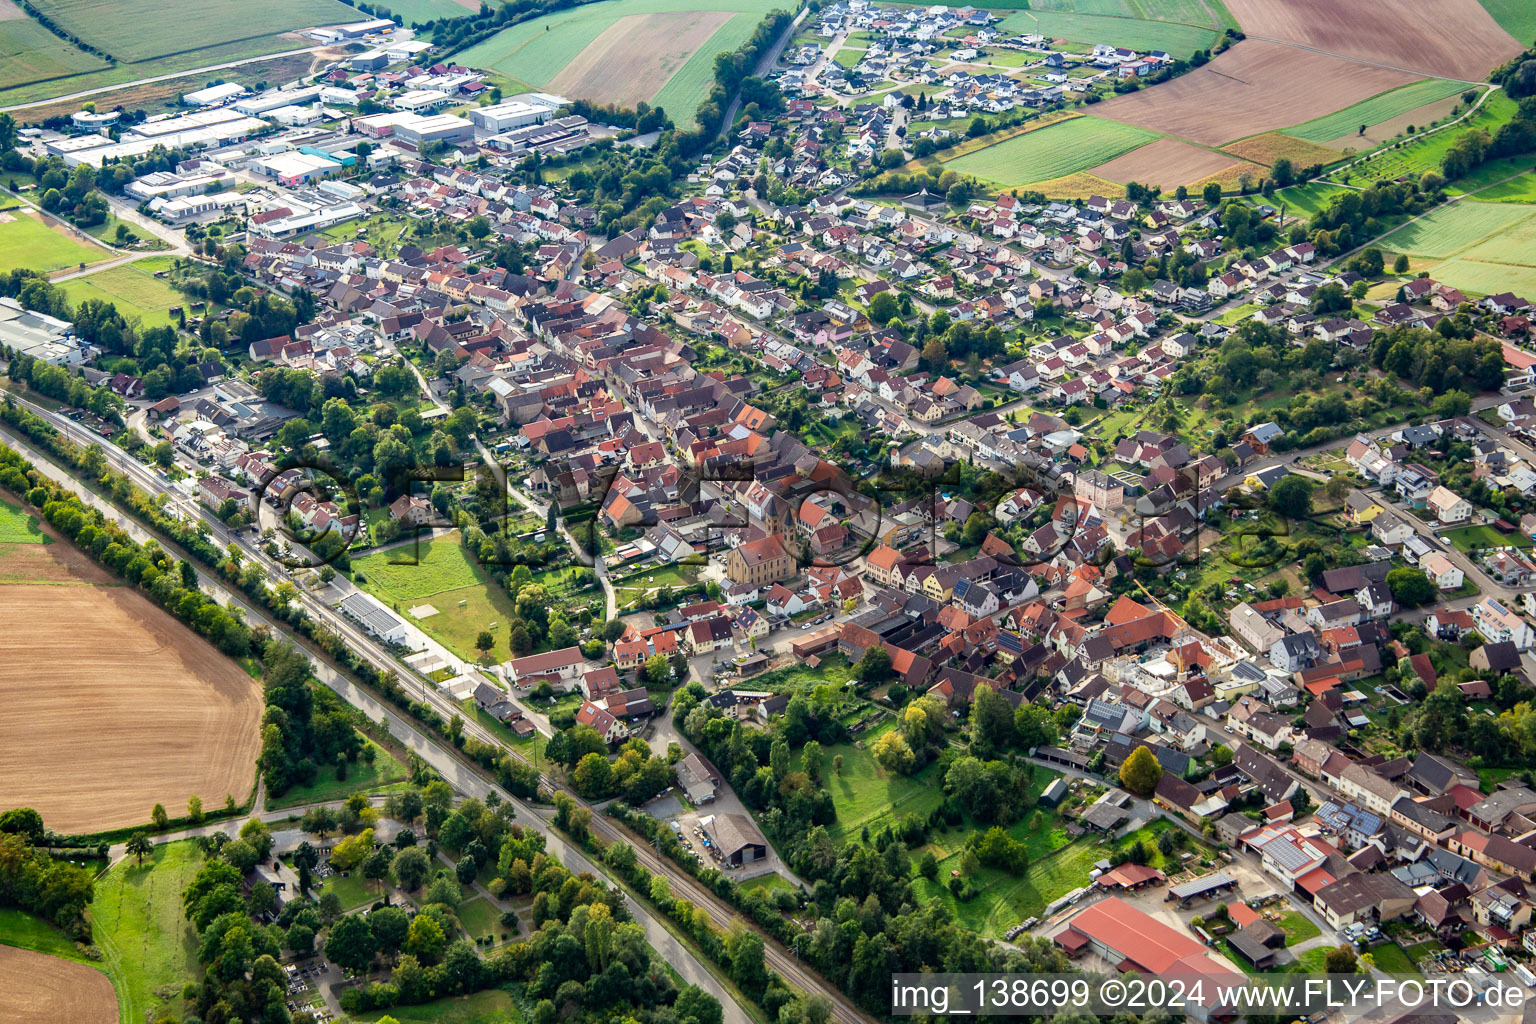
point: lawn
(1470, 538)
(1304, 200)
(136, 920)
(639, 584)
(768, 885)
(16, 527)
(1178, 39)
(1298, 927)
(1450, 229)
(538, 50)
(25, 241)
(133, 288)
(18, 928)
(1376, 109)
(848, 56)
(1052, 152)
(1005, 899)
(362, 777)
(439, 573)
(480, 918)
(31, 53)
(491, 1006)
(354, 890)
(866, 794)
(1391, 958)
(136, 30)
(1491, 183)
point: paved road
(459, 775)
(192, 73)
(766, 62)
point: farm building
(376, 620)
(737, 837)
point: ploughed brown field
(637, 55)
(41, 989)
(1170, 163)
(110, 704)
(1448, 38)
(1255, 86)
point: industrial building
(295, 168)
(514, 113)
(213, 95)
(38, 335)
(421, 101)
(437, 128)
(199, 130)
(276, 98)
(194, 177)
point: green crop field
(414, 12)
(136, 30)
(1425, 152)
(133, 288)
(25, 241)
(1376, 109)
(1517, 17)
(538, 50)
(1052, 152)
(16, 527)
(149, 949)
(1132, 33)
(1450, 229)
(1486, 278)
(31, 53)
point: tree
(874, 666)
(484, 641)
(657, 670)
(1341, 960)
(139, 845)
(410, 867)
(1400, 265)
(992, 718)
(892, 753)
(159, 817)
(1140, 773)
(883, 308)
(1282, 172)
(1410, 587)
(1211, 194)
(425, 940)
(351, 945)
(1292, 497)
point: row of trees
(35, 882)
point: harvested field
(1169, 163)
(637, 55)
(168, 716)
(1079, 185)
(1267, 148)
(42, 989)
(1236, 94)
(1448, 38)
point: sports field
(1450, 230)
(132, 288)
(31, 53)
(442, 577)
(136, 30)
(577, 52)
(27, 241)
(168, 716)
(1376, 109)
(1052, 152)
(1131, 32)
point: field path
(161, 78)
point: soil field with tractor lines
(42, 989)
(111, 705)
(1463, 43)
(1254, 87)
(1170, 163)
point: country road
(192, 72)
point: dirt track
(635, 56)
(110, 704)
(1448, 38)
(1254, 87)
(39, 989)
(1169, 163)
